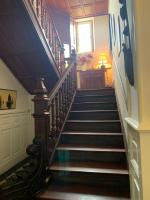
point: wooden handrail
(42, 13)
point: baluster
(72, 82)
(46, 23)
(63, 100)
(61, 105)
(68, 88)
(50, 24)
(37, 8)
(42, 14)
(56, 51)
(67, 91)
(53, 42)
(58, 54)
(49, 32)
(62, 62)
(54, 48)
(71, 92)
(66, 97)
(32, 2)
(53, 118)
(50, 111)
(57, 114)
(59, 59)
(44, 20)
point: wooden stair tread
(94, 95)
(63, 191)
(86, 111)
(91, 121)
(100, 102)
(91, 167)
(73, 147)
(90, 170)
(91, 133)
(101, 89)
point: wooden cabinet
(92, 79)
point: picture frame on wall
(119, 37)
(114, 29)
(110, 32)
(7, 99)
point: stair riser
(96, 92)
(111, 115)
(94, 106)
(95, 179)
(93, 127)
(77, 156)
(101, 141)
(80, 99)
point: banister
(55, 89)
(50, 110)
(42, 13)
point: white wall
(134, 105)
(101, 33)
(16, 125)
(128, 102)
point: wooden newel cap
(40, 87)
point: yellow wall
(16, 126)
(142, 51)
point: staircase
(90, 160)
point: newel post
(42, 116)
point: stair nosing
(93, 149)
(91, 133)
(80, 90)
(92, 121)
(89, 170)
(97, 95)
(75, 111)
(94, 102)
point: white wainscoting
(15, 134)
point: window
(85, 36)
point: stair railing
(50, 113)
(41, 11)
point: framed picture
(110, 32)
(7, 99)
(119, 38)
(114, 29)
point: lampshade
(104, 61)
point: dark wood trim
(14, 168)
(41, 35)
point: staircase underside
(90, 159)
(23, 49)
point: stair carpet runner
(90, 159)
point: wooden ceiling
(81, 8)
